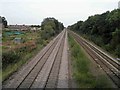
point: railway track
(105, 62)
(44, 71)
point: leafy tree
(48, 32)
(50, 27)
(4, 21)
(102, 29)
(117, 50)
(55, 24)
(115, 38)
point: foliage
(81, 68)
(48, 32)
(3, 21)
(9, 57)
(14, 57)
(103, 29)
(51, 26)
(38, 26)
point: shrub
(9, 58)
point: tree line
(50, 27)
(103, 29)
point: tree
(55, 24)
(50, 27)
(102, 29)
(115, 38)
(4, 22)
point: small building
(19, 27)
(35, 29)
(18, 40)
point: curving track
(104, 61)
(46, 69)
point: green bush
(102, 29)
(9, 58)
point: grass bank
(82, 72)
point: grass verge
(81, 68)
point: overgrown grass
(13, 61)
(81, 68)
(6, 72)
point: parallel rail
(108, 64)
(43, 70)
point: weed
(81, 68)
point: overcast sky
(66, 11)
